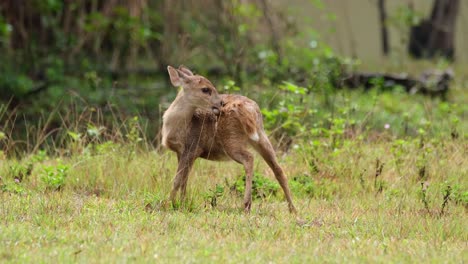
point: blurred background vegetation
(75, 68)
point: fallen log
(431, 82)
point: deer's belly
(214, 154)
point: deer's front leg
(186, 161)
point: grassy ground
(365, 193)
(108, 210)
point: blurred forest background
(74, 64)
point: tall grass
(376, 178)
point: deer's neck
(176, 121)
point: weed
(459, 196)
(303, 185)
(306, 186)
(362, 181)
(133, 135)
(262, 187)
(19, 171)
(13, 187)
(286, 119)
(94, 132)
(378, 183)
(213, 195)
(399, 148)
(422, 155)
(446, 194)
(39, 156)
(424, 187)
(54, 176)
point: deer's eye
(206, 90)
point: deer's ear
(176, 79)
(185, 70)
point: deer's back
(238, 123)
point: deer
(201, 123)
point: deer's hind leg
(244, 157)
(265, 149)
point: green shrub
(54, 176)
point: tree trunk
(383, 27)
(435, 36)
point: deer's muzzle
(215, 110)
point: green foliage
(230, 87)
(133, 135)
(311, 187)
(213, 195)
(107, 147)
(54, 177)
(287, 119)
(399, 148)
(262, 187)
(459, 195)
(20, 172)
(12, 187)
(14, 83)
(39, 156)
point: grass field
(366, 195)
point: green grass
(110, 210)
(364, 193)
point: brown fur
(194, 132)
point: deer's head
(198, 90)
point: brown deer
(203, 123)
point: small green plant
(76, 141)
(424, 187)
(287, 120)
(454, 121)
(39, 156)
(107, 147)
(94, 132)
(379, 184)
(93, 79)
(399, 149)
(459, 196)
(12, 187)
(213, 195)
(310, 156)
(262, 187)
(378, 83)
(307, 186)
(449, 112)
(303, 185)
(447, 192)
(336, 132)
(424, 150)
(19, 171)
(230, 86)
(133, 135)
(54, 176)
